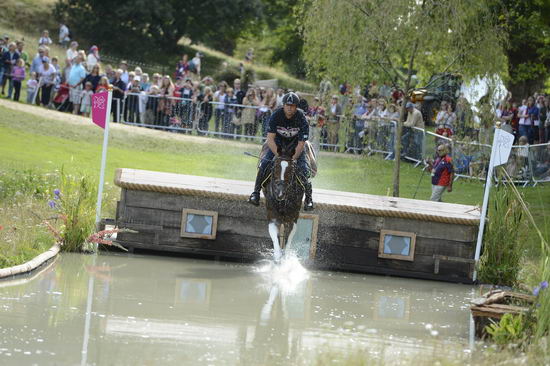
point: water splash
(287, 275)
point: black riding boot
(255, 196)
(308, 202)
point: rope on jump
(337, 207)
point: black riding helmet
(291, 98)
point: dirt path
(79, 120)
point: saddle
(311, 158)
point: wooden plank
(237, 190)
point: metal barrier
(518, 166)
(235, 121)
(380, 136)
(539, 161)
(470, 159)
(413, 144)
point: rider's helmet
(291, 98)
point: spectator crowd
(187, 100)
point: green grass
(46, 144)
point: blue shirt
(36, 62)
(360, 109)
(77, 74)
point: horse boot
(254, 198)
(308, 202)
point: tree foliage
(140, 28)
(527, 26)
(355, 40)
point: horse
(283, 191)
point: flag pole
(103, 160)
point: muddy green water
(148, 310)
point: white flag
(502, 145)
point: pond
(115, 309)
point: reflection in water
(129, 310)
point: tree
(138, 28)
(527, 27)
(354, 40)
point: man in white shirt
(414, 119)
(63, 35)
(125, 77)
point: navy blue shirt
(288, 131)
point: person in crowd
(385, 90)
(445, 124)
(205, 113)
(45, 39)
(125, 75)
(165, 103)
(547, 120)
(64, 37)
(47, 77)
(504, 115)
(86, 99)
(238, 91)
(208, 81)
(156, 80)
(249, 57)
(72, 51)
(57, 67)
(109, 72)
(151, 106)
(442, 173)
(145, 83)
(138, 71)
(186, 105)
(268, 101)
(93, 58)
(37, 60)
(66, 71)
(542, 165)
(132, 101)
(358, 123)
(22, 54)
(76, 78)
(219, 99)
(195, 66)
(316, 119)
(414, 119)
(333, 120)
(248, 113)
(182, 67)
(9, 58)
(103, 85)
(533, 113)
(525, 128)
(280, 93)
(230, 100)
(440, 116)
(131, 77)
(18, 75)
(32, 87)
(119, 87)
(541, 105)
(93, 77)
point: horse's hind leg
(274, 233)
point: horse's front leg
(291, 235)
(274, 233)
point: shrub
(500, 262)
(75, 202)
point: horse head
(283, 173)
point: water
(147, 310)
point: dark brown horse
(283, 192)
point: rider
(287, 128)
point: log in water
(147, 310)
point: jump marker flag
(500, 152)
(101, 115)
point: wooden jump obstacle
(346, 231)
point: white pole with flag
(500, 151)
(101, 115)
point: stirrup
(254, 198)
